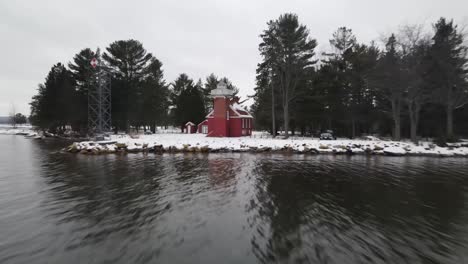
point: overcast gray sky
(195, 37)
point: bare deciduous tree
(414, 43)
(12, 115)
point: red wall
(199, 127)
(235, 127)
(218, 125)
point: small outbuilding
(190, 128)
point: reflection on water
(228, 208)
(355, 210)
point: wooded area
(413, 85)
(416, 85)
(141, 98)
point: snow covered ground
(258, 143)
(9, 130)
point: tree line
(141, 97)
(414, 85)
(15, 118)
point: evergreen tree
(84, 77)
(265, 107)
(180, 84)
(305, 107)
(339, 91)
(210, 84)
(388, 81)
(344, 81)
(287, 48)
(360, 93)
(155, 96)
(448, 70)
(129, 62)
(188, 101)
(343, 40)
(53, 107)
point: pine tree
(129, 61)
(210, 84)
(178, 86)
(448, 69)
(155, 96)
(343, 44)
(188, 101)
(265, 106)
(360, 94)
(388, 80)
(84, 77)
(343, 40)
(286, 46)
(53, 107)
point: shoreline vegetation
(413, 84)
(199, 143)
(260, 142)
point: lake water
(228, 208)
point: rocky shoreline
(200, 144)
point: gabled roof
(203, 122)
(240, 111)
(237, 109)
(190, 123)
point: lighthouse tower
(221, 101)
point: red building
(203, 127)
(190, 128)
(228, 118)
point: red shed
(190, 128)
(228, 118)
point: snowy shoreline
(24, 130)
(173, 143)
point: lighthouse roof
(237, 111)
(221, 90)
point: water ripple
(229, 208)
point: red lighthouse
(228, 118)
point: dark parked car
(328, 135)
